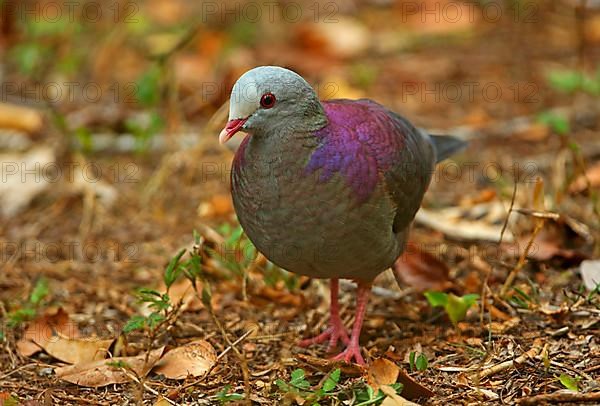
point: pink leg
(336, 330)
(352, 351)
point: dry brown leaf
(326, 365)
(413, 389)
(77, 350)
(503, 327)
(393, 399)
(452, 222)
(183, 290)
(161, 401)
(20, 118)
(421, 270)
(382, 372)
(195, 358)
(281, 296)
(101, 373)
(45, 329)
(581, 183)
(26, 179)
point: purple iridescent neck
(359, 142)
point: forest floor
(72, 262)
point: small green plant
(160, 303)
(456, 307)
(223, 396)
(300, 387)
(571, 81)
(520, 299)
(29, 310)
(569, 382)
(366, 395)
(555, 121)
(418, 363)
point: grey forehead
(270, 78)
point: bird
(327, 189)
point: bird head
(267, 99)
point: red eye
(267, 100)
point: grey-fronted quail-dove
(327, 189)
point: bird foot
(352, 351)
(334, 333)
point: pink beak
(232, 127)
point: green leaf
(566, 81)
(147, 292)
(206, 296)
(298, 379)
(557, 122)
(411, 360)
(569, 382)
(457, 307)
(224, 396)
(154, 319)
(148, 86)
(282, 385)
(136, 322)
(173, 270)
(421, 362)
(39, 292)
(19, 316)
(28, 56)
(436, 299)
(84, 136)
(332, 380)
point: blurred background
(109, 116)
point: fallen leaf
(592, 175)
(281, 296)
(195, 358)
(74, 351)
(348, 37)
(326, 365)
(181, 290)
(6, 399)
(479, 223)
(25, 177)
(219, 205)
(421, 270)
(411, 388)
(101, 373)
(544, 250)
(382, 372)
(393, 399)
(590, 273)
(45, 329)
(489, 394)
(20, 118)
(161, 401)
(503, 327)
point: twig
(236, 342)
(560, 397)
(522, 259)
(503, 366)
(146, 386)
(239, 355)
(510, 209)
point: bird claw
(352, 351)
(333, 333)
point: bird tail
(446, 145)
